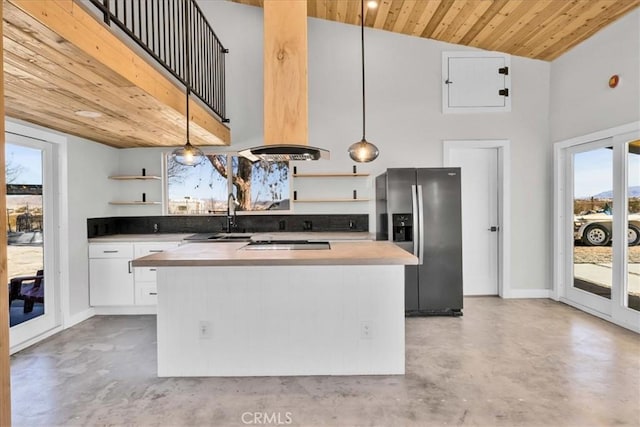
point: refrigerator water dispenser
(402, 227)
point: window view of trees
(204, 189)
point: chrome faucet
(231, 212)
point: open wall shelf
(130, 177)
(133, 202)
(330, 175)
(329, 200)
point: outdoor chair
(30, 289)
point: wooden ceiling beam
(286, 108)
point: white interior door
(480, 226)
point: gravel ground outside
(601, 254)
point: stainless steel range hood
(285, 85)
(284, 152)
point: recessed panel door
(480, 225)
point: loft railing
(158, 27)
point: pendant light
(187, 155)
(363, 151)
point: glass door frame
(614, 310)
(576, 295)
(25, 333)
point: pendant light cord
(362, 50)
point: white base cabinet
(112, 280)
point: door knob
(494, 228)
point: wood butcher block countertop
(233, 254)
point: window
(204, 189)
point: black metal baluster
(124, 6)
(160, 31)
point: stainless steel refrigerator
(420, 211)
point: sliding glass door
(33, 303)
(602, 202)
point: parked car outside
(594, 228)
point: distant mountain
(633, 192)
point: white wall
(89, 165)
(581, 100)
(403, 115)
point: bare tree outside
(13, 170)
(256, 186)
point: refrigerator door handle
(421, 224)
(414, 201)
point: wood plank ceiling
(59, 60)
(539, 29)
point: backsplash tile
(97, 227)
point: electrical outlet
(366, 330)
(204, 329)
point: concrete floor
(504, 363)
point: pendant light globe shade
(363, 151)
(188, 155)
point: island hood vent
(285, 85)
(284, 152)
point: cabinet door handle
(110, 252)
(152, 269)
(153, 293)
(156, 250)
(129, 266)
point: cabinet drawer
(145, 274)
(146, 294)
(143, 249)
(111, 250)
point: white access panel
(472, 82)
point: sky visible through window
(594, 172)
(26, 162)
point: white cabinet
(146, 291)
(112, 281)
(110, 274)
(476, 82)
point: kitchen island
(227, 310)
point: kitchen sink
(289, 245)
(218, 237)
(240, 237)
